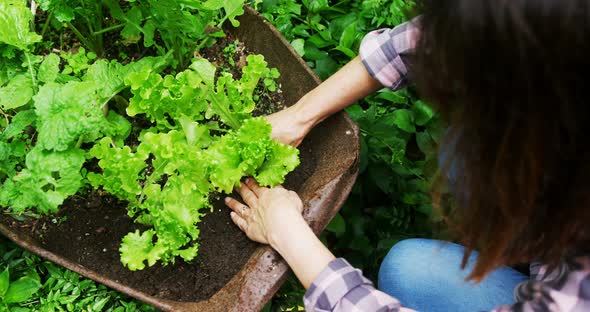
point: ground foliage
(29, 283)
(390, 200)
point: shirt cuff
(333, 283)
(381, 52)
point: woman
(510, 77)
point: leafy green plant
(17, 291)
(39, 285)
(181, 27)
(72, 107)
(193, 162)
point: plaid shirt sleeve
(341, 287)
(382, 53)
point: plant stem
(81, 37)
(28, 55)
(104, 30)
(46, 25)
(80, 141)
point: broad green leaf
(59, 108)
(425, 142)
(62, 10)
(18, 92)
(349, 36)
(233, 9)
(313, 53)
(205, 70)
(49, 69)
(21, 290)
(348, 52)
(18, 123)
(299, 46)
(132, 30)
(397, 97)
(4, 282)
(15, 24)
(422, 112)
(337, 225)
(326, 67)
(404, 119)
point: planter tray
(329, 156)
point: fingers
(247, 194)
(253, 185)
(239, 208)
(239, 221)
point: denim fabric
(426, 275)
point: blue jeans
(426, 275)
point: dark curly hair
(510, 77)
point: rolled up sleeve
(382, 53)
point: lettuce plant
(61, 109)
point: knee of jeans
(403, 259)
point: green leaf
(59, 108)
(62, 10)
(422, 112)
(337, 225)
(404, 119)
(137, 248)
(233, 9)
(21, 290)
(348, 52)
(299, 46)
(205, 70)
(132, 30)
(349, 36)
(49, 69)
(18, 123)
(15, 24)
(326, 67)
(398, 97)
(425, 142)
(281, 160)
(4, 282)
(48, 179)
(17, 93)
(312, 52)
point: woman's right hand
(288, 126)
(349, 84)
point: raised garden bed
(230, 273)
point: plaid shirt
(341, 287)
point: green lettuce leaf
(17, 93)
(15, 24)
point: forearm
(303, 251)
(351, 83)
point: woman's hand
(273, 216)
(289, 126)
(266, 212)
(349, 84)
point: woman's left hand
(267, 211)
